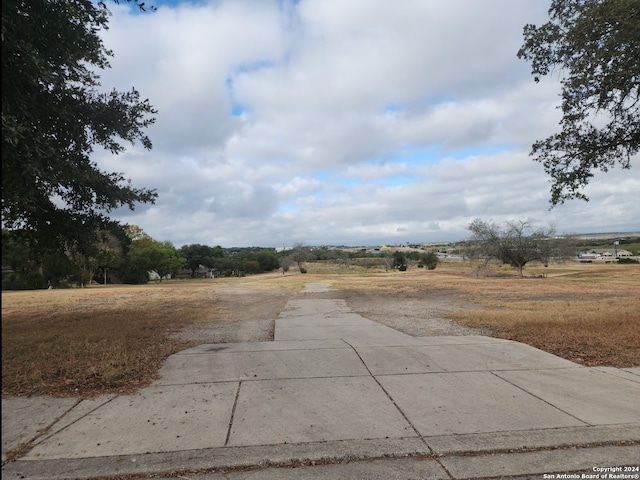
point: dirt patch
(250, 314)
(423, 315)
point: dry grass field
(113, 339)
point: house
(201, 272)
(155, 276)
(606, 253)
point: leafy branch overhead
(595, 44)
(54, 114)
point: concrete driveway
(339, 396)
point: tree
(251, 266)
(197, 254)
(146, 255)
(340, 256)
(54, 115)
(111, 254)
(597, 44)
(136, 266)
(59, 270)
(429, 260)
(387, 262)
(516, 244)
(300, 254)
(399, 260)
(163, 259)
(285, 263)
(58, 266)
(268, 260)
(16, 253)
(94, 258)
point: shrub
(430, 260)
(30, 281)
(627, 260)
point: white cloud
(356, 122)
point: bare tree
(299, 255)
(339, 256)
(515, 244)
(285, 263)
(387, 261)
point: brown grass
(96, 340)
(113, 339)
(592, 332)
(589, 314)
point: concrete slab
(404, 469)
(24, 419)
(324, 320)
(533, 439)
(401, 339)
(232, 366)
(502, 356)
(470, 357)
(470, 402)
(555, 464)
(314, 308)
(317, 287)
(627, 374)
(388, 360)
(192, 463)
(81, 409)
(459, 340)
(360, 333)
(263, 346)
(158, 419)
(593, 396)
(548, 462)
(315, 410)
(495, 356)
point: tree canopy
(53, 116)
(596, 45)
(197, 254)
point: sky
(347, 123)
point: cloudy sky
(351, 122)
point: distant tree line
(131, 257)
(134, 257)
(127, 259)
